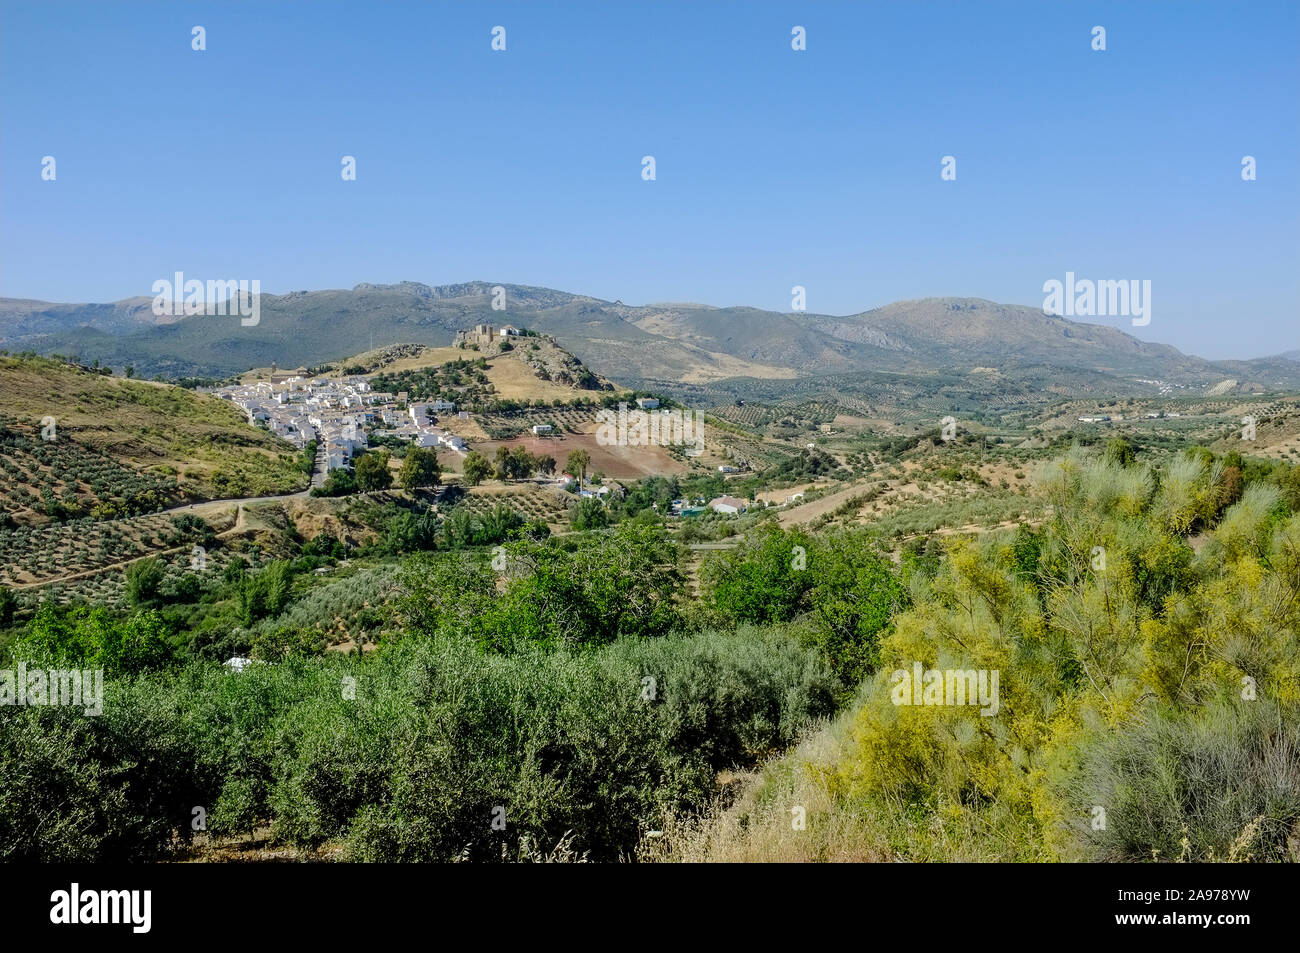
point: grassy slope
(149, 425)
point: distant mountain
(690, 344)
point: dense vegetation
(531, 695)
(561, 707)
(1147, 639)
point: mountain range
(684, 344)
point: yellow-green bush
(1117, 624)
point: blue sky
(774, 168)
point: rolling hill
(686, 344)
(122, 431)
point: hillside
(687, 344)
(114, 438)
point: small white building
(647, 403)
(728, 504)
(539, 429)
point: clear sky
(774, 167)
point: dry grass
(760, 825)
(149, 425)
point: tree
(498, 523)
(340, 482)
(854, 595)
(626, 583)
(477, 467)
(409, 532)
(267, 593)
(142, 581)
(235, 571)
(505, 465)
(95, 638)
(763, 581)
(7, 604)
(1120, 451)
(577, 464)
(441, 594)
(372, 471)
(420, 468)
(460, 528)
(588, 514)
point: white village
(339, 414)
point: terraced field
(530, 501)
(35, 555)
(48, 474)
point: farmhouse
(728, 504)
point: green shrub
(1223, 784)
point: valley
(498, 496)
